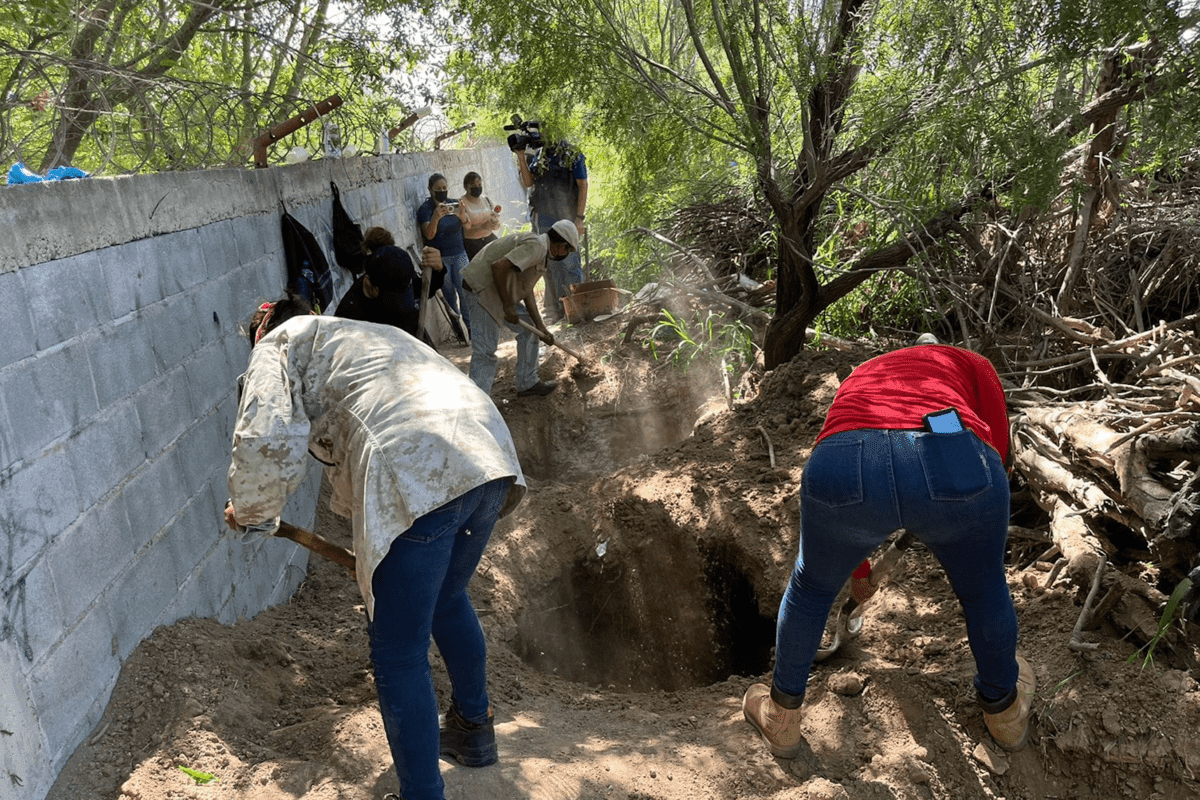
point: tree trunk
(797, 296)
(88, 94)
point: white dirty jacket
(401, 430)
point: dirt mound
(628, 603)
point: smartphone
(945, 421)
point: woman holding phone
(441, 222)
(481, 219)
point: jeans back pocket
(955, 465)
(833, 474)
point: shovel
(423, 307)
(318, 544)
(849, 621)
(557, 343)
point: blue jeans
(485, 337)
(452, 288)
(421, 589)
(566, 272)
(950, 491)
(559, 277)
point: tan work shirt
(529, 253)
(401, 430)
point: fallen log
(1138, 499)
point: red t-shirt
(895, 390)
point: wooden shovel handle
(423, 301)
(318, 544)
(557, 343)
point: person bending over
(423, 464)
(879, 465)
(502, 275)
(387, 292)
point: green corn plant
(713, 337)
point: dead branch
(1077, 642)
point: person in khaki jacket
(499, 281)
(423, 464)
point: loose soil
(628, 603)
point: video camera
(528, 136)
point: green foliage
(1146, 652)
(196, 775)
(181, 84)
(949, 97)
(711, 337)
(891, 299)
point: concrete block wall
(120, 347)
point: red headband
(270, 309)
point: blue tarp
(19, 173)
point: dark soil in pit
(628, 604)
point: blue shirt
(556, 193)
(449, 238)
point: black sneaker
(539, 389)
(470, 744)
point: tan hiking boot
(778, 726)
(1010, 727)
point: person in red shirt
(915, 439)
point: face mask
(560, 258)
(441, 196)
(475, 191)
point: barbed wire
(128, 123)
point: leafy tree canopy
(128, 85)
(881, 111)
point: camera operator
(558, 175)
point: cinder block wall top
(120, 347)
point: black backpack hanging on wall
(347, 236)
(307, 269)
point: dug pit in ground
(282, 706)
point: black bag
(307, 269)
(347, 236)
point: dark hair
(376, 238)
(470, 176)
(557, 238)
(434, 178)
(285, 308)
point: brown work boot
(1010, 727)
(778, 726)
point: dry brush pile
(1093, 320)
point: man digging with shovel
(499, 277)
(424, 465)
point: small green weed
(197, 775)
(1051, 704)
(1164, 623)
